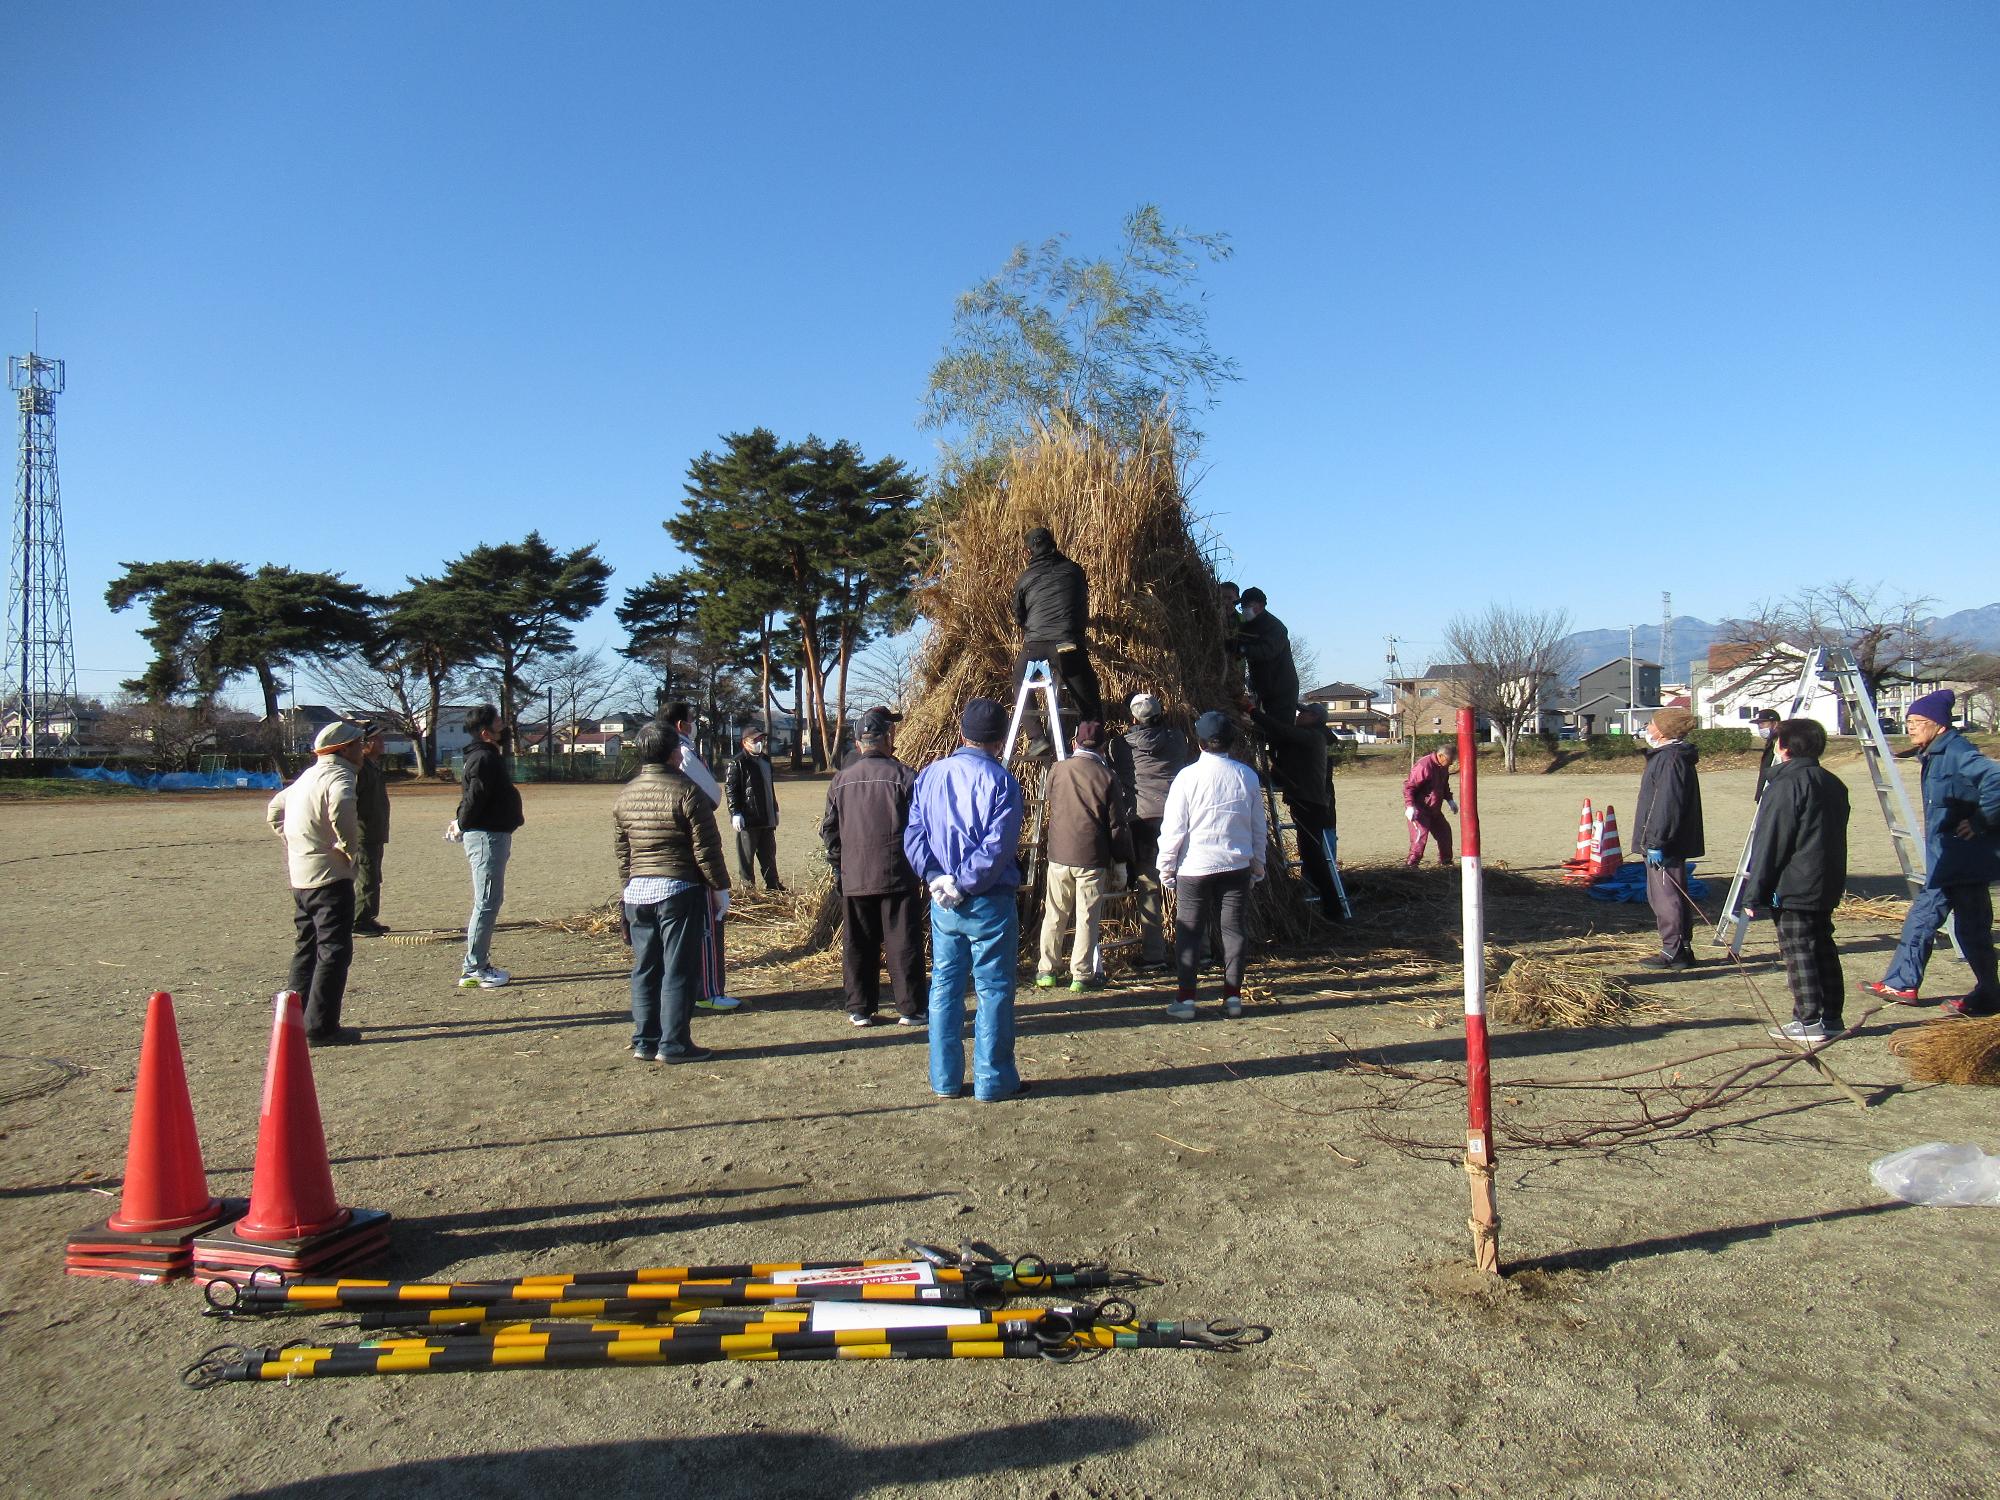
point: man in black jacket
(753, 811)
(489, 810)
(1765, 727)
(1147, 757)
(1300, 771)
(1052, 612)
(882, 902)
(371, 804)
(1669, 829)
(1798, 873)
(1266, 646)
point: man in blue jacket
(1962, 850)
(965, 824)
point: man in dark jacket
(1052, 612)
(489, 810)
(1669, 829)
(672, 875)
(1300, 771)
(1798, 873)
(1089, 847)
(371, 803)
(753, 811)
(1765, 727)
(1146, 759)
(1962, 858)
(882, 901)
(1266, 647)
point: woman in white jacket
(1212, 841)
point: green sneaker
(1081, 986)
(1045, 981)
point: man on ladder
(1052, 612)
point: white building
(1732, 698)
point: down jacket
(663, 824)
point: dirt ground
(1741, 1313)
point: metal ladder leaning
(1905, 834)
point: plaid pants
(1812, 967)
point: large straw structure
(1952, 1050)
(1156, 611)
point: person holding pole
(1798, 873)
(1426, 792)
(1670, 831)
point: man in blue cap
(965, 824)
(1962, 850)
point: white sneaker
(488, 978)
(1232, 1006)
(717, 1002)
(1181, 1010)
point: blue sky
(1553, 303)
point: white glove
(945, 891)
(736, 821)
(452, 832)
(1256, 873)
(1452, 803)
(718, 902)
(1409, 815)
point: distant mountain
(1977, 628)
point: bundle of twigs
(1540, 993)
(1952, 1050)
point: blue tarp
(1629, 884)
(179, 781)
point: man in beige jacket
(317, 819)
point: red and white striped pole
(1485, 1219)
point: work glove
(1114, 879)
(1256, 874)
(452, 832)
(1409, 815)
(718, 903)
(736, 821)
(1167, 884)
(1656, 856)
(945, 891)
(834, 867)
(1452, 803)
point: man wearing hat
(1212, 845)
(1089, 847)
(1962, 851)
(881, 899)
(1765, 727)
(1266, 647)
(965, 823)
(1669, 828)
(371, 802)
(316, 818)
(1147, 758)
(1052, 612)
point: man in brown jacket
(316, 818)
(670, 861)
(1090, 843)
(882, 903)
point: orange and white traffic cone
(1577, 867)
(1609, 855)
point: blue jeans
(666, 969)
(1971, 910)
(487, 853)
(979, 940)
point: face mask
(1762, 731)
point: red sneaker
(1897, 997)
(1964, 1007)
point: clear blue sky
(1557, 303)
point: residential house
(1742, 681)
(1351, 712)
(1616, 697)
(1429, 704)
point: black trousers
(1194, 897)
(1812, 967)
(760, 845)
(323, 918)
(368, 882)
(876, 927)
(1309, 821)
(1074, 675)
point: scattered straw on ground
(1538, 993)
(1855, 908)
(1954, 1050)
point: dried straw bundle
(1952, 1050)
(1541, 993)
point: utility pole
(40, 657)
(1666, 637)
(1631, 674)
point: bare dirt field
(1736, 1313)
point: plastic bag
(1940, 1174)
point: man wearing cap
(1962, 851)
(316, 818)
(1426, 794)
(965, 824)
(881, 899)
(1266, 647)
(1300, 770)
(1147, 758)
(1212, 844)
(1089, 846)
(371, 801)
(1052, 612)
(1765, 728)
(679, 716)
(1669, 828)
(753, 811)
(489, 812)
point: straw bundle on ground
(1156, 612)
(1540, 993)
(1953, 1050)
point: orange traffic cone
(295, 1224)
(1577, 866)
(166, 1202)
(1609, 855)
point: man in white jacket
(714, 994)
(317, 818)
(1213, 837)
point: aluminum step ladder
(1037, 677)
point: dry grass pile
(1953, 1050)
(1537, 994)
(1855, 908)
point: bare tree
(1516, 659)
(1305, 661)
(886, 675)
(583, 684)
(1890, 644)
(393, 692)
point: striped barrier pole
(1485, 1218)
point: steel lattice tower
(40, 665)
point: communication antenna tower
(40, 660)
(1667, 673)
